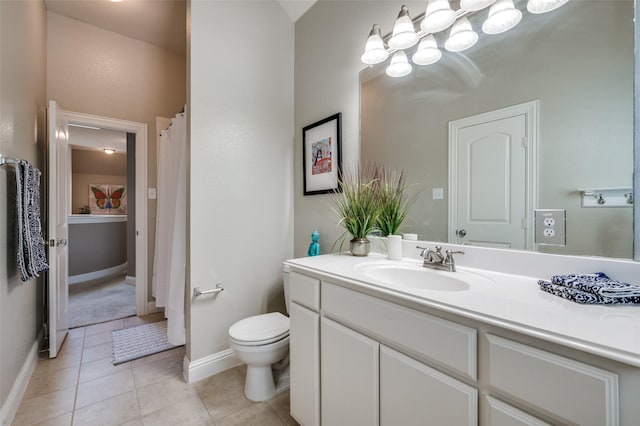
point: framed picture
(321, 155)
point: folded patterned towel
(585, 297)
(597, 283)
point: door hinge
(524, 142)
(523, 223)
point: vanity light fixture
(461, 37)
(109, 151)
(404, 34)
(544, 6)
(428, 52)
(503, 16)
(399, 65)
(439, 16)
(374, 50)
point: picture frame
(321, 155)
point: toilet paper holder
(197, 292)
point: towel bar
(197, 292)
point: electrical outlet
(550, 227)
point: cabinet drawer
(304, 290)
(501, 414)
(423, 336)
(561, 387)
(412, 393)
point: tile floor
(82, 387)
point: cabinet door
(412, 393)
(304, 350)
(350, 363)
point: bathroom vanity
(375, 341)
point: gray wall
(239, 169)
(96, 246)
(23, 103)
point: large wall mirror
(574, 69)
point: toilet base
(259, 384)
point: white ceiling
(159, 22)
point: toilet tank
(285, 279)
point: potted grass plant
(358, 206)
(394, 201)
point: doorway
(492, 177)
(138, 132)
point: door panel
(491, 183)
(58, 210)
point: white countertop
(513, 302)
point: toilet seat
(260, 330)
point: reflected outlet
(551, 227)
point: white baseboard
(130, 280)
(103, 273)
(208, 366)
(10, 407)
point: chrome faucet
(434, 259)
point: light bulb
(109, 151)
(438, 16)
(428, 52)
(404, 34)
(374, 51)
(399, 66)
(544, 6)
(502, 17)
(461, 37)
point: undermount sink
(417, 277)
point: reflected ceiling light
(461, 37)
(473, 5)
(374, 50)
(399, 65)
(428, 52)
(502, 17)
(404, 34)
(109, 151)
(115, 1)
(544, 6)
(439, 16)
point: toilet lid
(260, 328)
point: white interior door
(58, 210)
(492, 178)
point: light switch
(438, 193)
(152, 194)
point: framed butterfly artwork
(108, 198)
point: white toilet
(262, 341)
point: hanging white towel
(31, 255)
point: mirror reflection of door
(491, 181)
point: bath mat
(139, 341)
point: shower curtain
(168, 281)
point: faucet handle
(424, 250)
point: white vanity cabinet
(360, 356)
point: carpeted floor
(101, 300)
